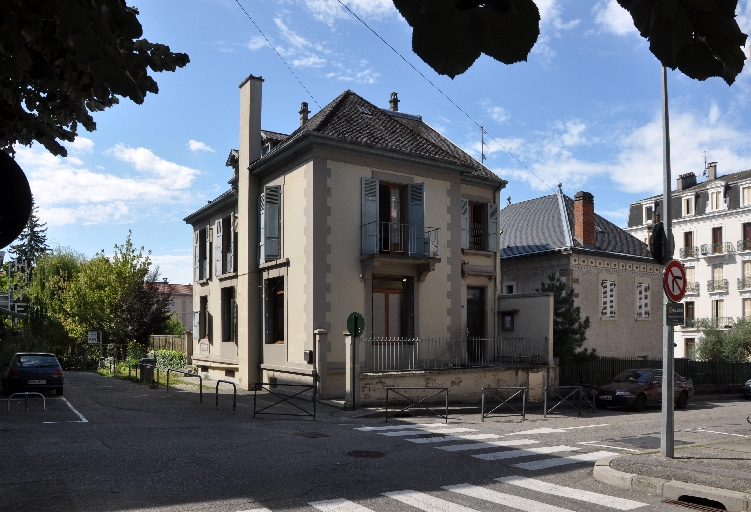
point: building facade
(712, 232)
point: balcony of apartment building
(717, 285)
(385, 242)
(744, 245)
(744, 283)
(692, 288)
(686, 253)
(717, 249)
(723, 322)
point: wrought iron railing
(744, 283)
(395, 354)
(717, 285)
(689, 252)
(721, 248)
(744, 245)
(692, 287)
(722, 322)
(392, 238)
(692, 323)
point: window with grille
(607, 298)
(642, 301)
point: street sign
(674, 313)
(674, 281)
(93, 338)
(355, 323)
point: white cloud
(80, 145)
(309, 61)
(496, 113)
(363, 75)
(613, 18)
(166, 173)
(619, 216)
(255, 43)
(85, 214)
(195, 145)
(551, 26)
(329, 11)
(177, 268)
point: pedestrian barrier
(266, 386)
(506, 402)
(589, 395)
(26, 400)
(569, 395)
(187, 374)
(234, 398)
(413, 403)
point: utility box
(146, 369)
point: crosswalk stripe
(568, 492)
(427, 502)
(396, 427)
(562, 461)
(467, 437)
(512, 454)
(339, 505)
(417, 432)
(508, 500)
(255, 510)
(488, 444)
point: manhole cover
(308, 435)
(365, 454)
(424, 436)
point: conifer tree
(569, 330)
(32, 242)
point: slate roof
(728, 178)
(546, 224)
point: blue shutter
(273, 223)
(493, 242)
(465, 223)
(369, 217)
(196, 257)
(261, 224)
(416, 219)
(218, 247)
(196, 325)
(231, 253)
(207, 252)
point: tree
(732, 346)
(32, 242)
(569, 330)
(60, 60)
(699, 37)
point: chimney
(304, 112)
(250, 120)
(394, 102)
(584, 218)
(164, 280)
(686, 181)
(711, 171)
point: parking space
(34, 408)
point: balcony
(744, 245)
(744, 283)
(692, 287)
(692, 323)
(719, 285)
(688, 252)
(716, 249)
(383, 241)
(725, 322)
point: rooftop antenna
(482, 144)
(705, 164)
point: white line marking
(562, 461)
(340, 505)
(255, 510)
(723, 433)
(427, 502)
(416, 432)
(512, 454)
(395, 427)
(83, 420)
(468, 437)
(500, 498)
(568, 492)
(588, 426)
(547, 430)
(481, 446)
(592, 443)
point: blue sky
(584, 111)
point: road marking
(562, 461)
(427, 502)
(255, 510)
(547, 430)
(489, 444)
(83, 420)
(592, 443)
(340, 505)
(588, 426)
(723, 433)
(396, 427)
(500, 498)
(569, 492)
(468, 437)
(512, 454)
(417, 432)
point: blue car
(33, 371)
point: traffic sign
(674, 281)
(93, 337)
(675, 314)
(355, 323)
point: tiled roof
(538, 225)
(175, 289)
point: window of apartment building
(746, 236)
(688, 347)
(688, 206)
(270, 224)
(201, 251)
(715, 200)
(224, 246)
(690, 275)
(745, 281)
(718, 272)
(746, 308)
(274, 308)
(229, 314)
(718, 309)
(393, 218)
(717, 240)
(607, 296)
(688, 239)
(202, 319)
(746, 196)
(509, 288)
(642, 301)
(393, 307)
(689, 310)
(479, 224)
(648, 214)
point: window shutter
(492, 238)
(273, 220)
(261, 224)
(416, 219)
(645, 310)
(207, 260)
(231, 252)
(196, 258)
(218, 247)
(196, 325)
(369, 216)
(611, 298)
(409, 293)
(604, 298)
(465, 223)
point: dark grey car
(33, 371)
(641, 387)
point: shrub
(134, 352)
(166, 359)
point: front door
(475, 324)
(389, 311)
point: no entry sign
(674, 281)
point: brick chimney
(304, 112)
(394, 102)
(584, 218)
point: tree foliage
(60, 60)
(699, 37)
(32, 242)
(569, 330)
(730, 346)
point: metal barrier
(505, 402)
(266, 386)
(558, 392)
(234, 398)
(26, 400)
(589, 395)
(413, 403)
(188, 374)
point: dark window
(275, 310)
(228, 314)
(689, 347)
(688, 239)
(203, 257)
(689, 310)
(507, 321)
(717, 239)
(746, 236)
(203, 329)
(477, 226)
(393, 307)
(392, 229)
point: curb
(734, 501)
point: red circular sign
(674, 281)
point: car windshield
(640, 376)
(37, 361)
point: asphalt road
(110, 445)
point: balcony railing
(402, 239)
(692, 287)
(692, 322)
(724, 322)
(744, 283)
(719, 285)
(710, 249)
(689, 252)
(744, 245)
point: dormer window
(648, 214)
(716, 201)
(688, 206)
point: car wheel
(682, 401)
(59, 392)
(640, 402)
(601, 404)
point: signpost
(93, 338)
(674, 313)
(355, 327)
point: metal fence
(395, 354)
(392, 238)
(602, 371)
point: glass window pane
(396, 314)
(379, 315)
